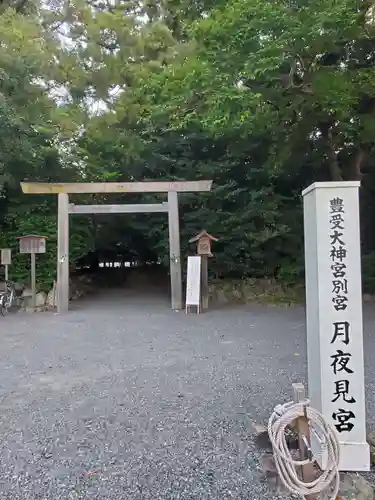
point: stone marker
(334, 316)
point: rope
(287, 466)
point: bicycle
(7, 297)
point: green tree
(30, 126)
(261, 97)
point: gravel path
(123, 398)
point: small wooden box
(204, 246)
(32, 243)
(6, 256)
(203, 240)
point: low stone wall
(255, 290)
(80, 286)
(265, 291)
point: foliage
(263, 97)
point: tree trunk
(333, 164)
(334, 167)
(356, 165)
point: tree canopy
(263, 97)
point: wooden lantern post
(6, 260)
(203, 240)
(32, 244)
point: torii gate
(64, 209)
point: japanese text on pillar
(343, 416)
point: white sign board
(334, 316)
(193, 283)
(32, 244)
(6, 256)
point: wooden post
(174, 251)
(33, 279)
(308, 472)
(203, 239)
(204, 282)
(63, 253)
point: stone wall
(252, 290)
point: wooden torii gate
(64, 209)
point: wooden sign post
(334, 316)
(193, 283)
(203, 240)
(6, 260)
(32, 244)
(303, 430)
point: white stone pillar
(334, 316)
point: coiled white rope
(287, 467)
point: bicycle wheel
(3, 308)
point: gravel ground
(123, 398)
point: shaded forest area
(263, 97)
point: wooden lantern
(203, 240)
